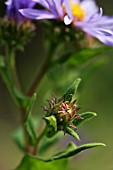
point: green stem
(11, 68)
(6, 78)
(39, 139)
(11, 62)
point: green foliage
(18, 134)
(86, 117)
(18, 137)
(72, 133)
(61, 121)
(72, 150)
(18, 97)
(30, 126)
(86, 54)
(29, 122)
(30, 107)
(71, 90)
(51, 125)
(34, 163)
(30, 163)
(62, 113)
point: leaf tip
(102, 144)
(78, 80)
(95, 114)
(35, 95)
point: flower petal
(44, 3)
(58, 4)
(105, 36)
(38, 14)
(89, 7)
(8, 2)
(68, 9)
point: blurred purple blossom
(13, 7)
(83, 14)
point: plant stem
(38, 140)
(26, 137)
(41, 72)
(12, 67)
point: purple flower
(14, 5)
(83, 14)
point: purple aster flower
(83, 14)
(14, 5)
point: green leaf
(17, 96)
(18, 134)
(72, 133)
(18, 137)
(6, 77)
(30, 106)
(29, 123)
(34, 163)
(71, 90)
(72, 150)
(31, 163)
(52, 125)
(86, 117)
(22, 100)
(31, 131)
(86, 54)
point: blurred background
(94, 94)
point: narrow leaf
(31, 131)
(71, 90)
(30, 106)
(17, 95)
(86, 117)
(72, 133)
(86, 54)
(72, 150)
(18, 137)
(29, 124)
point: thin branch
(41, 72)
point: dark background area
(95, 94)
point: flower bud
(65, 113)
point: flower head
(64, 113)
(14, 5)
(83, 14)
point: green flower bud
(15, 36)
(65, 113)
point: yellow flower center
(77, 11)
